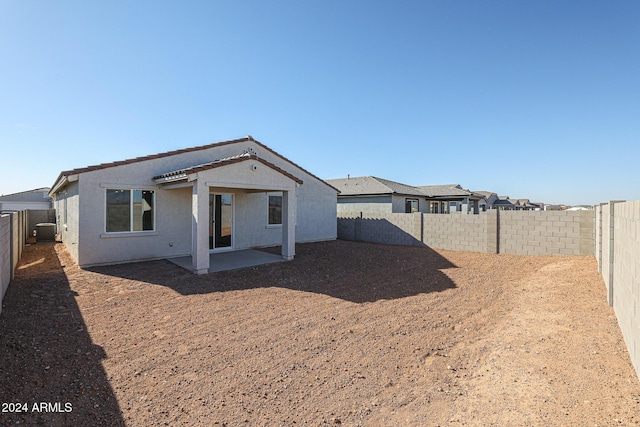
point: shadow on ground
(353, 271)
(47, 356)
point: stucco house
(488, 199)
(372, 195)
(224, 196)
(451, 198)
(504, 203)
(36, 199)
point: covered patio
(214, 233)
(233, 260)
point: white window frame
(411, 200)
(274, 194)
(131, 216)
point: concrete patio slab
(222, 261)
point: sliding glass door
(221, 221)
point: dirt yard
(346, 334)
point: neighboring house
(504, 203)
(487, 201)
(548, 207)
(526, 205)
(224, 196)
(372, 195)
(33, 199)
(451, 198)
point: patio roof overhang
(257, 177)
(246, 172)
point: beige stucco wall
(366, 205)
(68, 230)
(399, 204)
(378, 204)
(86, 238)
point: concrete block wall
(515, 232)
(347, 224)
(618, 230)
(458, 231)
(392, 228)
(546, 232)
(5, 253)
(605, 238)
(12, 241)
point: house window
(66, 205)
(411, 205)
(275, 210)
(130, 210)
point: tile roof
(247, 155)
(175, 152)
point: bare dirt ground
(346, 334)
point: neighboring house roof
(448, 191)
(486, 194)
(31, 199)
(371, 185)
(68, 173)
(503, 202)
(36, 195)
(183, 173)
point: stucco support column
(467, 205)
(288, 224)
(200, 227)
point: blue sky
(530, 99)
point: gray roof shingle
(370, 185)
(448, 190)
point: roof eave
(61, 182)
(342, 194)
(171, 179)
